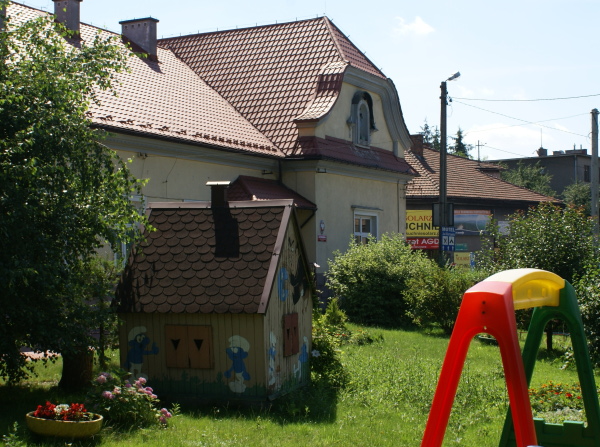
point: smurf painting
(237, 352)
(138, 342)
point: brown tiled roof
(205, 260)
(465, 180)
(166, 99)
(254, 188)
(335, 149)
(274, 74)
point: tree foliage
(587, 287)
(431, 136)
(547, 237)
(579, 194)
(460, 148)
(63, 194)
(532, 177)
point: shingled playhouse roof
(165, 99)
(467, 181)
(253, 188)
(275, 74)
(206, 260)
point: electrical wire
(522, 120)
(529, 100)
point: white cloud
(416, 28)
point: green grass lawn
(386, 403)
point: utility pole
(444, 218)
(594, 173)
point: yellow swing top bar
(531, 287)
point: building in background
(474, 188)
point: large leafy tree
(532, 177)
(63, 194)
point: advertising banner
(419, 224)
(424, 243)
(471, 222)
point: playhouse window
(291, 338)
(189, 346)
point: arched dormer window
(361, 119)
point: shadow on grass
(315, 403)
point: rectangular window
(291, 338)
(188, 346)
(365, 226)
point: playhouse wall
(288, 320)
(223, 359)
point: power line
(522, 120)
(529, 100)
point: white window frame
(363, 214)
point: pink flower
(107, 395)
(141, 381)
(165, 413)
(101, 378)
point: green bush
(435, 294)
(587, 288)
(326, 366)
(371, 280)
(547, 237)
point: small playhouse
(216, 302)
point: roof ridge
(231, 30)
(331, 27)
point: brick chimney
(218, 194)
(417, 144)
(141, 32)
(67, 13)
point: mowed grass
(386, 403)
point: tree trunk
(77, 369)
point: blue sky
(516, 57)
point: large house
(285, 111)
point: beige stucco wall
(336, 125)
(338, 195)
(180, 172)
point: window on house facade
(189, 346)
(365, 227)
(361, 119)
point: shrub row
(388, 284)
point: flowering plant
(553, 396)
(125, 402)
(62, 412)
